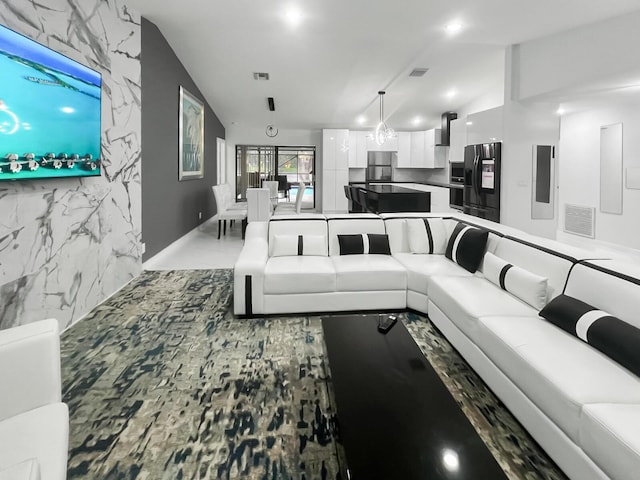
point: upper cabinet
(415, 149)
(404, 150)
(485, 127)
(335, 149)
(423, 152)
(458, 139)
(358, 149)
(434, 156)
(391, 145)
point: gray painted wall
(170, 208)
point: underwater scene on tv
(49, 112)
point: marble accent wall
(67, 244)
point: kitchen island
(387, 198)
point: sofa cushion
(620, 298)
(368, 273)
(42, 433)
(527, 286)
(427, 235)
(466, 246)
(465, 299)
(558, 372)
(364, 244)
(26, 470)
(420, 269)
(613, 337)
(289, 245)
(609, 434)
(299, 274)
(308, 224)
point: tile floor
(200, 249)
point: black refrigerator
(482, 180)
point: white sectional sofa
(578, 403)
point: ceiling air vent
(418, 72)
(260, 76)
(579, 220)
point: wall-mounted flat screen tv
(49, 112)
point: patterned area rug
(162, 382)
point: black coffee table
(397, 419)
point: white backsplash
(67, 244)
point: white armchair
(34, 423)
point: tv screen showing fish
(49, 112)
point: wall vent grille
(261, 76)
(579, 220)
(418, 72)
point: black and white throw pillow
(615, 338)
(427, 235)
(364, 243)
(466, 246)
(292, 245)
(527, 286)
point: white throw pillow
(292, 245)
(527, 286)
(427, 235)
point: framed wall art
(191, 134)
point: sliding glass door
(290, 166)
(253, 165)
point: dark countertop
(372, 187)
(431, 184)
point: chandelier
(382, 132)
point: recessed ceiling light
(453, 28)
(416, 121)
(560, 111)
(361, 119)
(469, 123)
(293, 16)
(68, 109)
(451, 93)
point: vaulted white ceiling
(327, 65)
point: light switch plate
(633, 178)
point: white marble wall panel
(67, 244)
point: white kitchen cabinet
(328, 190)
(417, 149)
(357, 149)
(335, 173)
(404, 149)
(341, 202)
(458, 139)
(391, 145)
(434, 156)
(423, 150)
(485, 127)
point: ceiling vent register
(418, 72)
(261, 76)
